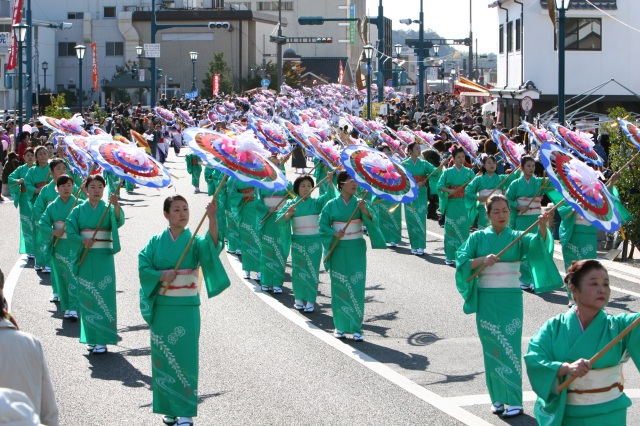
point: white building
(598, 49)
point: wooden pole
(335, 243)
(290, 194)
(526, 231)
(625, 166)
(603, 351)
(300, 200)
(164, 288)
(503, 182)
(437, 168)
(86, 250)
(544, 183)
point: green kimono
(482, 185)
(456, 224)
(390, 215)
(243, 207)
(213, 178)
(194, 168)
(21, 201)
(561, 339)
(348, 262)
(113, 181)
(496, 299)
(96, 277)
(415, 213)
(232, 226)
(36, 178)
(306, 248)
(174, 318)
(521, 188)
(60, 256)
(275, 238)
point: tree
(292, 72)
(57, 107)
(120, 94)
(217, 65)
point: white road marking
(374, 365)
(12, 279)
(528, 396)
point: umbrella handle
(525, 232)
(300, 200)
(603, 351)
(503, 182)
(544, 183)
(624, 167)
(335, 243)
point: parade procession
(303, 254)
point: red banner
(215, 84)
(13, 50)
(94, 66)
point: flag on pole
(94, 66)
(13, 50)
(215, 84)
(340, 73)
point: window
(66, 49)
(501, 39)
(115, 48)
(518, 35)
(583, 34)
(273, 5)
(109, 12)
(510, 36)
(75, 15)
(240, 5)
(5, 28)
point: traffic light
(396, 79)
(403, 78)
(158, 73)
(220, 26)
(135, 74)
(378, 78)
(440, 73)
(324, 40)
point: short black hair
(63, 179)
(95, 177)
(298, 182)
(169, 200)
(55, 162)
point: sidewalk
(629, 270)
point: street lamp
(139, 51)
(194, 58)
(436, 49)
(20, 31)
(562, 6)
(368, 54)
(398, 49)
(45, 67)
(80, 49)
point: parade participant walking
(37, 177)
(348, 263)
(496, 299)
(306, 248)
(58, 250)
(170, 304)
(415, 213)
(194, 168)
(481, 187)
(21, 200)
(96, 276)
(213, 177)
(389, 213)
(563, 347)
(241, 197)
(452, 206)
(524, 195)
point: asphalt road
(264, 363)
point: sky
(449, 18)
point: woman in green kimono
(563, 347)
(213, 178)
(232, 226)
(194, 168)
(415, 213)
(21, 200)
(481, 187)
(390, 214)
(170, 304)
(524, 195)
(37, 177)
(452, 205)
(241, 197)
(348, 262)
(58, 249)
(496, 299)
(96, 277)
(113, 183)
(275, 239)
(306, 248)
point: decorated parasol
(260, 112)
(78, 158)
(271, 136)
(425, 138)
(140, 141)
(185, 117)
(578, 142)
(511, 151)
(230, 106)
(327, 152)
(394, 144)
(165, 115)
(73, 126)
(469, 145)
(405, 137)
(536, 135)
(243, 158)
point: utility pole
(153, 60)
(29, 40)
(470, 61)
(381, 49)
(279, 47)
(420, 58)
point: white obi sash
(487, 192)
(272, 201)
(185, 284)
(597, 387)
(534, 207)
(500, 275)
(353, 231)
(306, 225)
(101, 240)
(58, 225)
(581, 220)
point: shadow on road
(115, 366)
(453, 378)
(387, 355)
(137, 327)
(555, 297)
(201, 398)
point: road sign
(151, 50)
(265, 82)
(527, 104)
(389, 82)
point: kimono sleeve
(115, 234)
(215, 276)
(373, 228)
(284, 209)
(46, 227)
(29, 181)
(468, 290)
(149, 279)
(625, 215)
(512, 195)
(14, 188)
(326, 230)
(72, 226)
(539, 253)
(259, 204)
(542, 370)
(471, 196)
(187, 159)
(632, 340)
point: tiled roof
(582, 5)
(325, 67)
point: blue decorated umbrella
(469, 145)
(271, 135)
(579, 143)
(511, 151)
(79, 160)
(165, 115)
(184, 117)
(537, 136)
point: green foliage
(99, 115)
(375, 110)
(271, 73)
(217, 65)
(57, 107)
(620, 152)
(292, 72)
(120, 94)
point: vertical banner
(13, 49)
(215, 84)
(94, 66)
(352, 24)
(340, 74)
